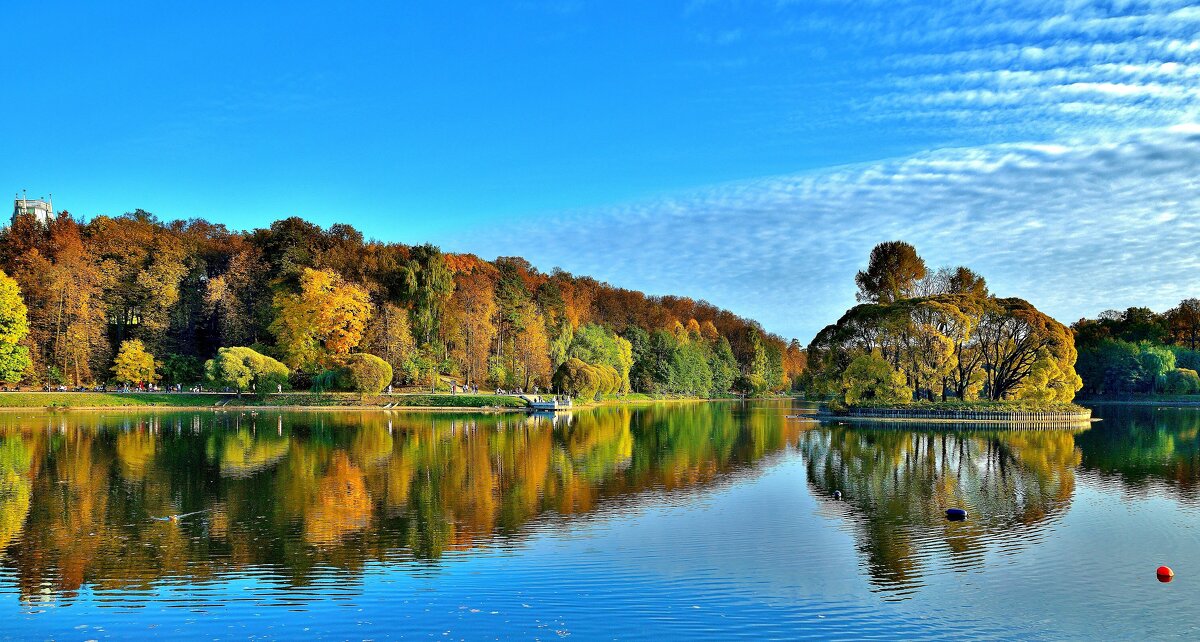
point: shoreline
(93, 401)
(1177, 403)
(983, 415)
(965, 424)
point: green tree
(578, 379)
(431, 287)
(871, 379)
(1180, 381)
(723, 366)
(892, 273)
(182, 369)
(596, 345)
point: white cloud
(1076, 227)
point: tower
(42, 210)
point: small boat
(552, 404)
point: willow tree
(1014, 336)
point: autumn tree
(14, 325)
(1183, 323)
(134, 364)
(141, 266)
(1014, 336)
(388, 335)
(187, 288)
(326, 318)
(472, 311)
(961, 342)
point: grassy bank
(102, 399)
(296, 400)
(186, 400)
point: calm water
(670, 522)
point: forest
(1139, 351)
(135, 300)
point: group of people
(518, 391)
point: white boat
(552, 404)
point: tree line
(921, 334)
(1139, 351)
(138, 300)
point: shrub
(1180, 381)
(368, 373)
(240, 368)
(358, 372)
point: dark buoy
(956, 514)
(1165, 574)
(837, 494)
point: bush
(578, 379)
(242, 368)
(368, 373)
(1180, 381)
(358, 372)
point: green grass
(1014, 405)
(455, 401)
(177, 400)
(102, 399)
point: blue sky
(749, 153)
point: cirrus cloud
(1076, 227)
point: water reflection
(121, 502)
(118, 501)
(1147, 449)
(897, 485)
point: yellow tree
(14, 325)
(133, 364)
(325, 319)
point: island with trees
(133, 303)
(936, 344)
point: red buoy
(1165, 574)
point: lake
(673, 521)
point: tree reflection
(898, 484)
(122, 500)
(1147, 448)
